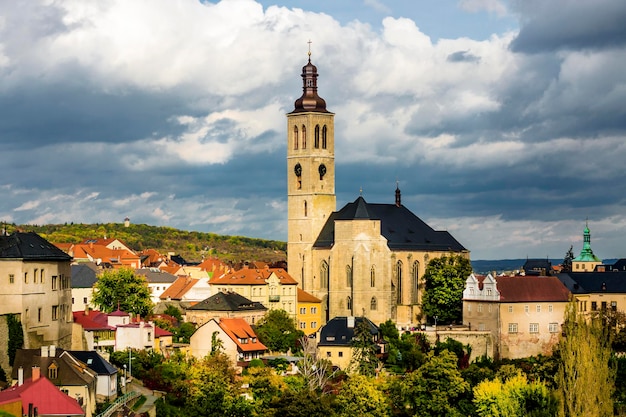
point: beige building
(274, 288)
(35, 288)
(523, 313)
(365, 259)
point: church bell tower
(310, 176)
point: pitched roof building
(225, 305)
(363, 259)
(523, 313)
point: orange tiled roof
(179, 288)
(238, 329)
(114, 256)
(213, 265)
(247, 276)
(172, 268)
(305, 297)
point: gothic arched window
(415, 271)
(373, 304)
(399, 280)
(372, 277)
(324, 131)
(295, 137)
(317, 137)
(324, 275)
(349, 303)
(348, 275)
(303, 137)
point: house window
(324, 133)
(313, 325)
(72, 300)
(490, 308)
(538, 308)
(489, 291)
(533, 328)
(11, 279)
(54, 282)
(302, 310)
(594, 305)
(373, 304)
(340, 354)
(149, 337)
(613, 305)
(84, 300)
(25, 277)
(480, 308)
(512, 327)
(313, 310)
(53, 372)
(553, 327)
(55, 312)
(510, 309)
(550, 308)
(603, 305)
(303, 325)
(41, 276)
(526, 309)
(469, 307)
(39, 314)
(35, 275)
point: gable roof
(337, 332)
(238, 329)
(228, 301)
(84, 275)
(531, 288)
(30, 246)
(42, 393)
(179, 288)
(402, 229)
(155, 275)
(71, 372)
(247, 276)
(305, 297)
(92, 320)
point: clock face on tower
(297, 170)
(322, 170)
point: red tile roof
(179, 288)
(531, 288)
(42, 393)
(238, 329)
(159, 332)
(305, 297)
(92, 320)
(247, 276)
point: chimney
(86, 310)
(351, 322)
(20, 376)
(53, 351)
(35, 373)
(44, 351)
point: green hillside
(192, 246)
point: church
(364, 259)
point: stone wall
(482, 343)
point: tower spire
(309, 101)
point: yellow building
(523, 313)
(309, 312)
(364, 259)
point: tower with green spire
(586, 261)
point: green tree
(586, 378)
(300, 403)
(514, 397)
(567, 260)
(445, 280)
(364, 360)
(361, 396)
(277, 330)
(124, 289)
(431, 391)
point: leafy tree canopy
(277, 330)
(361, 396)
(124, 289)
(445, 280)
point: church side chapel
(362, 260)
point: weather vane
(309, 42)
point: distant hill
(192, 246)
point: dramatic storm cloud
(502, 122)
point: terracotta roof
(95, 252)
(247, 276)
(305, 297)
(213, 265)
(524, 289)
(179, 288)
(159, 332)
(42, 393)
(238, 329)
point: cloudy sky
(503, 122)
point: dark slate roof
(30, 246)
(94, 361)
(402, 229)
(610, 282)
(154, 275)
(83, 276)
(227, 301)
(619, 265)
(337, 333)
(68, 374)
